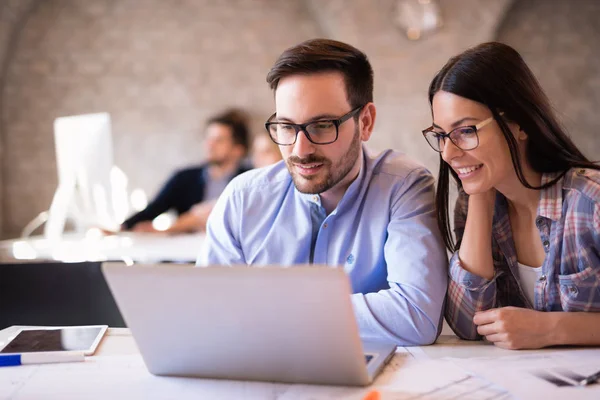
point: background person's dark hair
(324, 55)
(494, 74)
(237, 121)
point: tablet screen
(76, 338)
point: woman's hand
(516, 328)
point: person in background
(264, 151)
(335, 202)
(525, 272)
(192, 192)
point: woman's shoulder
(584, 182)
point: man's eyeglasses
(463, 137)
(323, 131)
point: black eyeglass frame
(443, 136)
(302, 127)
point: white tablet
(66, 338)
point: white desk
(136, 247)
(119, 341)
(117, 371)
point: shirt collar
(551, 197)
(355, 186)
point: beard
(334, 173)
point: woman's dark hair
(324, 55)
(237, 121)
(494, 74)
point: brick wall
(12, 15)
(162, 67)
(559, 41)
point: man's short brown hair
(236, 120)
(324, 55)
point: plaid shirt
(568, 220)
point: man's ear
(366, 121)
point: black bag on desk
(54, 294)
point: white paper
(409, 378)
(546, 375)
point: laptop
(293, 325)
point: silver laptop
(248, 323)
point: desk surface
(119, 341)
(127, 246)
(117, 370)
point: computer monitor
(84, 160)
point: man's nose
(303, 147)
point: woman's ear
(517, 131)
(521, 135)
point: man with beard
(335, 202)
(192, 192)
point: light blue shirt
(383, 232)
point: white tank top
(528, 276)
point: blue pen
(11, 360)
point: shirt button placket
(543, 279)
(323, 240)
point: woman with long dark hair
(525, 272)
